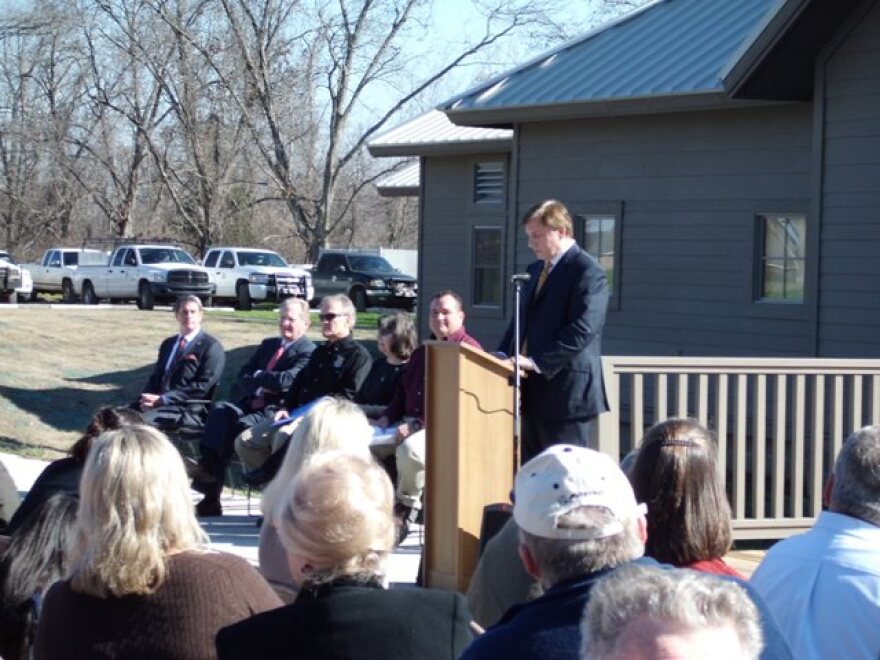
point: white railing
(780, 424)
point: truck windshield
(260, 259)
(164, 256)
(370, 264)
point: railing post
(608, 427)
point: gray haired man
(823, 586)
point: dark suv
(368, 279)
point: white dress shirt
(823, 589)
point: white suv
(247, 275)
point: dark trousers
(538, 434)
(225, 421)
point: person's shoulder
(212, 563)
(259, 628)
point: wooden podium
(469, 415)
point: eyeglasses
(330, 316)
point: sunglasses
(330, 316)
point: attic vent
(489, 183)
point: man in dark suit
(562, 314)
(190, 365)
(257, 393)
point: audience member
(34, 560)
(500, 581)
(676, 475)
(645, 613)
(336, 368)
(261, 385)
(823, 586)
(139, 583)
(577, 519)
(63, 475)
(336, 523)
(407, 409)
(396, 341)
(330, 424)
(189, 366)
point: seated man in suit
(190, 365)
(338, 367)
(257, 393)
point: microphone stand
(517, 384)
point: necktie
(541, 279)
(259, 401)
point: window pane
(774, 237)
(774, 278)
(487, 247)
(795, 246)
(487, 251)
(794, 280)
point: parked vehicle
(368, 279)
(250, 274)
(146, 274)
(54, 273)
(15, 281)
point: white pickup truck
(247, 275)
(146, 274)
(54, 273)
(15, 281)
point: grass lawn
(57, 366)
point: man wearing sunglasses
(337, 367)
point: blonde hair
(337, 513)
(296, 306)
(553, 214)
(135, 508)
(330, 424)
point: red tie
(181, 346)
(258, 401)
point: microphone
(521, 277)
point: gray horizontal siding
(449, 215)
(691, 185)
(849, 313)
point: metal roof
(667, 48)
(433, 133)
(401, 183)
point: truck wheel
(67, 294)
(145, 296)
(244, 296)
(88, 294)
(359, 298)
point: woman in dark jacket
(336, 523)
(396, 341)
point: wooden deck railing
(780, 424)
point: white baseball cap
(564, 478)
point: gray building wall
(849, 305)
(449, 216)
(689, 186)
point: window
(211, 261)
(70, 258)
(130, 258)
(489, 183)
(227, 260)
(783, 257)
(487, 251)
(117, 258)
(600, 241)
